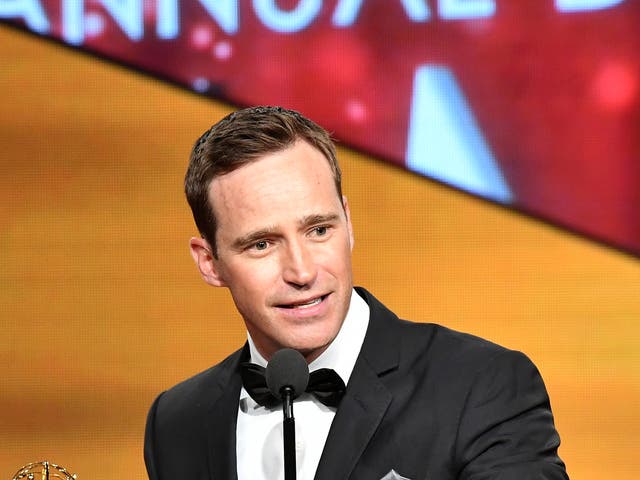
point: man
(421, 401)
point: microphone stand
(289, 434)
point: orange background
(101, 307)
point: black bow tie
(325, 384)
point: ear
(345, 205)
(205, 261)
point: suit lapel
(357, 419)
(221, 422)
(366, 400)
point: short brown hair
(243, 137)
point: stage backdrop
(102, 309)
(517, 102)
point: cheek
(339, 258)
(249, 298)
(252, 281)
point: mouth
(309, 303)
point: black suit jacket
(423, 400)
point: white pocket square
(393, 475)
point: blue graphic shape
(444, 140)
(585, 5)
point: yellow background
(101, 307)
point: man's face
(284, 241)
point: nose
(299, 268)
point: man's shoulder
(433, 348)
(445, 344)
(430, 343)
(447, 339)
(458, 362)
(191, 392)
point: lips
(312, 302)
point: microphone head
(287, 368)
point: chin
(313, 347)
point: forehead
(290, 183)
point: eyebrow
(305, 222)
(252, 237)
(317, 218)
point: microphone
(287, 376)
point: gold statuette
(43, 471)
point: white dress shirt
(259, 445)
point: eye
(261, 245)
(321, 230)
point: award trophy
(43, 471)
